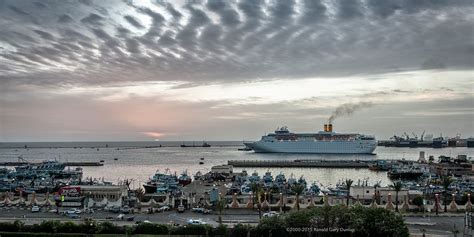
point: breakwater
(67, 163)
(301, 163)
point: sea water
(140, 160)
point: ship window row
(315, 140)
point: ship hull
(314, 147)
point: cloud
(349, 9)
(65, 18)
(41, 5)
(222, 42)
(45, 35)
(93, 19)
(133, 21)
(18, 10)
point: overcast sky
(232, 70)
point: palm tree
(220, 205)
(446, 183)
(257, 189)
(348, 184)
(140, 193)
(397, 186)
(376, 185)
(298, 190)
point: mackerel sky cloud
(231, 70)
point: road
(230, 217)
(435, 225)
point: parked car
(120, 217)
(125, 210)
(163, 209)
(35, 209)
(73, 215)
(271, 214)
(180, 208)
(198, 209)
(195, 222)
(73, 211)
(130, 218)
(114, 209)
(53, 210)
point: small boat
(380, 165)
(407, 171)
(115, 158)
(244, 149)
(205, 144)
(202, 158)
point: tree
(298, 190)
(377, 222)
(220, 205)
(376, 185)
(446, 181)
(397, 186)
(128, 182)
(418, 200)
(257, 189)
(140, 193)
(348, 184)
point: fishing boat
(267, 179)
(313, 189)
(162, 180)
(254, 178)
(184, 179)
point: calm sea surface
(140, 160)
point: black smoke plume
(348, 109)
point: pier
(14, 163)
(357, 164)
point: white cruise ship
(323, 142)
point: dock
(356, 164)
(67, 163)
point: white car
(120, 217)
(35, 209)
(271, 214)
(196, 222)
(163, 209)
(73, 211)
(198, 209)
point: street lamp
(469, 200)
